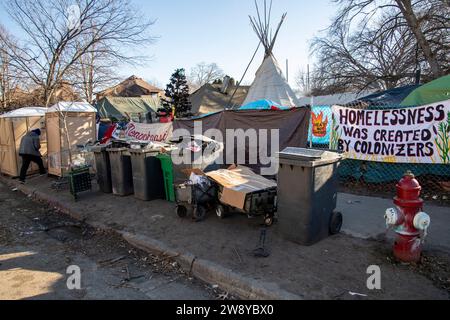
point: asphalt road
(38, 245)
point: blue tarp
(388, 98)
(263, 105)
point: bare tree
(427, 20)
(59, 36)
(364, 60)
(10, 77)
(93, 72)
(204, 73)
(5, 86)
(370, 45)
(310, 83)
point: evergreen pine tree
(177, 91)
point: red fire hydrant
(408, 220)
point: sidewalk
(364, 218)
(220, 251)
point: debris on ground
(107, 248)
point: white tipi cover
(270, 84)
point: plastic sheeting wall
(11, 132)
(66, 130)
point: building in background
(132, 87)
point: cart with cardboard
(241, 190)
(195, 196)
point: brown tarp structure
(292, 125)
(209, 98)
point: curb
(204, 270)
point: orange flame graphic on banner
(319, 126)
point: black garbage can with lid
(121, 171)
(307, 194)
(102, 168)
(148, 181)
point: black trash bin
(103, 168)
(121, 171)
(307, 193)
(148, 180)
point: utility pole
(307, 78)
(287, 70)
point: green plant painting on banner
(335, 135)
(443, 141)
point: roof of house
(130, 87)
(209, 98)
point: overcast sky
(192, 31)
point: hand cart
(258, 203)
(194, 199)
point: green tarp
(119, 107)
(431, 92)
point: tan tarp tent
(68, 124)
(210, 98)
(13, 126)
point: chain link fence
(373, 178)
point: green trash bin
(167, 168)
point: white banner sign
(147, 132)
(406, 135)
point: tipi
(269, 81)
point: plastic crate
(167, 168)
(79, 181)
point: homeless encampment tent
(217, 97)
(68, 124)
(140, 109)
(434, 91)
(269, 81)
(263, 105)
(13, 126)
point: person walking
(29, 151)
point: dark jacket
(30, 145)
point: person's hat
(37, 131)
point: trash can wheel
(335, 222)
(181, 211)
(221, 211)
(199, 213)
(268, 220)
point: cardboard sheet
(237, 182)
